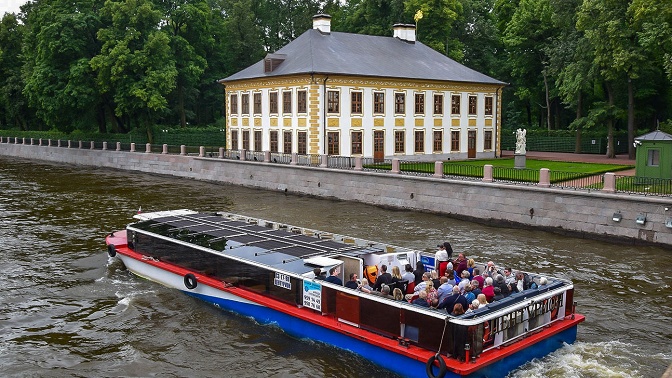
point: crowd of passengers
(455, 286)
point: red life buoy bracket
(430, 367)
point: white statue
(520, 141)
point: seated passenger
(450, 274)
(478, 277)
(468, 294)
(421, 300)
(461, 264)
(458, 310)
(445, 289)
(384, 292)
(475, 288)
(475, 304)
(498, 294)
(488, 289)
(464, 281)
(396, 274)
(364, 286)
(519, 284)
(543, 281)
(333, 276)
(397, 294)
(509, 277)
(490, 269)
(383, 278)
(500, 282)
(408, 274)
(318, 274)
(353, 283)
(450, 301)
(432, 295)
(482, 300)
(471, 265)
(434, 275)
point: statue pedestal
(519, 161)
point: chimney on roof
(405, 32)
(322, 22)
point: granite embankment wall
(577, 213)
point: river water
(69, 311)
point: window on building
(246, 139)
(473, 100)
(287, 142)
(419, 103)
(333, 147)
(245, 102)
(332, 102)
(234, 139)
(438, 104)
(488, 105)
(301, 101)
(302, 142)
(653, 159)
(273, 102)
(455, 105)
(487, 140)
(257, 140)
(257, 103)
(399, 103)
(378, 102)
(356, 143)
(274, 140)
(287, 102)
(399, 137)
(438, 141)
(234, 104)
(356, 103)
(419, 141)
(455, 141)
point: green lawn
(558, 166)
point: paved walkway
(581, 158)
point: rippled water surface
(69, 311)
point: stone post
(165, 149)
(58, 144)
(267, 156)
(544, 178)
(80, 144)
(438, 169)
(395, 166)
(48, 142)
(609, 182)
(148, 148)
(359, 165)
(487, 173)
(118, 146)
(69, 143)
(93, 145)
(104, 146)
(32, 141)
(132, 147)
(183, 150)
(324, 161)
(201, 151)
(221, 152)
(39, 142)
(24, 140)
(295, 159)
(243, 154)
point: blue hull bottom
(401, 365)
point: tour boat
(266, 270)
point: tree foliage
(603, 65)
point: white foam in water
(613, 359)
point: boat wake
(614, 359)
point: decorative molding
(472, 121)
(378, 122)
(420, 122)
(398, 122)
(455, 122)
(438, 122)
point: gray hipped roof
(364, 55)
(655, 135)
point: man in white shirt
(441, 258)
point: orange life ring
(486, 332)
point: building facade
(356, 95)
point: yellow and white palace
(359, 95)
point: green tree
(477, 32)
(435, 29)
(14, 111)
(373, 17)
(60, 40)
(136, 65)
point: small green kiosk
(654, 155)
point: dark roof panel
(364, 55)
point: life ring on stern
(111, 250)
(442, 367)
(190, 281)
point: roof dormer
(272, 61)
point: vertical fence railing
(649, 186)
(577, 181)
(463, 171)
(515, 175)
(416, 168)
(281, 158)
(376, 165)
